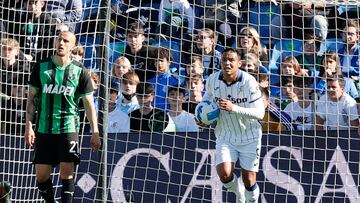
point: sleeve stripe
(255, 100)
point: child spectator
(249, 40)
(78, 53)
(274, 120)
(286, 93)
(196, 66)
(183, 120)
(302, 112)
(195, 91)
(175, 15)
(331, 67)
(121, 66)
(310, 61)
(336, 110)
(140, 56)
(163, 79)
(127, 101)
(119, 121)
(204, 47)
(290, 66)
(349, 54)
(147, 118)
(250, 63)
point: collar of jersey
(61, 67)
(239, 77)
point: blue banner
(304, 167)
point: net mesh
(165, 157)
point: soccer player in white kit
(238, 131)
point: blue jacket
(354, 62)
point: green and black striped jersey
(60, 89)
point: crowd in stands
(150, 91)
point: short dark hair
(144, 89)
(177, 89)
(164, 53)
(265, 92)
(311, 36)
(302, 82)
(286, 80)
(229, 49)
(114, 88)
(136, 28)
(334, 78)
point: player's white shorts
(247, 154)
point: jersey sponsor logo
(301, 119)
(58, 89)
(233, 100)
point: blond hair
(8, 42)
(257, 48)
(118, 61)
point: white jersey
(303, 118)
(119, 122)
(236, 127)
(184, 122)
(337, 115)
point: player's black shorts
(55, 148)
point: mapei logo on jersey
(233, 100)
(58, 89)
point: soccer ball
(207, 112)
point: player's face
(287, 69)
(350, 35)
(135, 40)
(65, 43)
(334, 90)
(128, 87)
(162, 65)
(120, 69)
(230, 63)
(204, 41)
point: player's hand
(95, 141)
(226, 105)
(199, 123)
(29, 136)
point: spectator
(66, 11)
(349, 54)
(301, 17)
(263, 80)
(331, 67)
(196, 66)
(336, 110)
(286, 94)
(249, 40)
(163, 79)
(175, 15)
(127, 101)
(119, 121)
(182, 120)
(147, 118)
(121, 66)
(205, 49)
(274, 120)
(13, 112)
(195, 91)
(11, 66)
(250, 63)
(34, 29)
(78, 53)
(140, 56)
(290, 66)
(302, 112)
(310, 61)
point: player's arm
(30, 115)
(90, 112)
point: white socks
(252, 193)
(237, 187)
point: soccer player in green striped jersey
(56, 86)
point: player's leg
(44, 158)
(45, 186)
(69, 156)
(225, 161)
(67, 178)
(249, 162)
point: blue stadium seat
(175, 52)
(90, 56)
(116, 49)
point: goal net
(152, 58)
